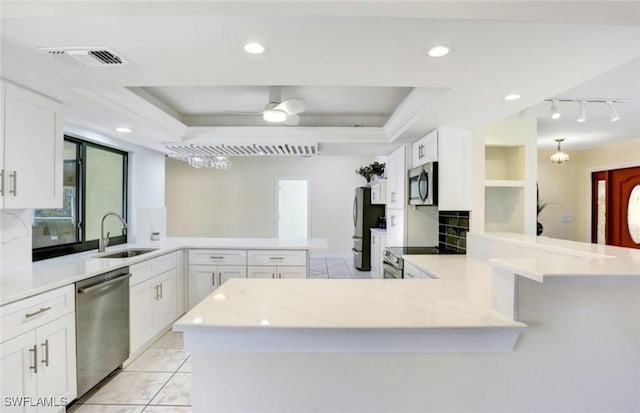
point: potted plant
(541, 205)
(371, 170)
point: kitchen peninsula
(442, 344)
(46, 275)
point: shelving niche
(509, 176)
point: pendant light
(559, 156)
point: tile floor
(159, 381)
(335, 268)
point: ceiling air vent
(288, 149)
(86, 56)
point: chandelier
(204, 161)
(559, 156)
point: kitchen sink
(127, 253)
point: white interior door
(293, 209)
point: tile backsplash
(452, 231)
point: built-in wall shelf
(510, 164)
(504, 163)
(504, 183)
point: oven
(393, 264)
(391, 272)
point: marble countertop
(555, 258)
(53, 273)
(459, 299)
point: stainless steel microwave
(423, 184)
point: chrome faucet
(104, 241)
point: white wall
(241, 202)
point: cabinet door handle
(45, 345)
(2, 182)
(155, 288)
(35, 358)
(393, 196)
(40, 311)
(279, 275)
(161, 292)
(219, 279)
(14, 177)
(213, 278)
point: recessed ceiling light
(439, 51)
(254, 48)
(123, 130)
(513, 96)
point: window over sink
(94, 182)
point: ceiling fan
(279, 111)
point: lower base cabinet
(39, 368)
(152, 307)
(203, 279)
(254, 271)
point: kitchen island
(429, 345)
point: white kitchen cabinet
(292, 271)
(203, 279)
(152, 307)
(378, 244)
(379, 192)
(278, 263)
(31, 144)
(38, 351)
(396, 179)
(396, 227)
(451, 148)
(425, 149)
(210, 268)
(153, 298)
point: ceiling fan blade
(292, 106)
(292, 120)
(233, 112)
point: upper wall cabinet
(31, 142)
(451, 148)
(425, 149)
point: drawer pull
(46, 352)
(40, 311)
(276, 258)
(217, 258)
(35, 358)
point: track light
(582, 114)
(559, 156)
(555, 113)
(613, 113)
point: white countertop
(556, 258)
(458, 299)
(52, 273)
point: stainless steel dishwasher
(102, 326)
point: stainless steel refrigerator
(365, 217)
